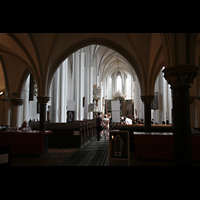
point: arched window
(119, 83)
(128, 87)
(109, 89)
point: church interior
(154, 76)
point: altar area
(126, 105)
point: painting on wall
(70, 116)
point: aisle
(95, 153)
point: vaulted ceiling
(42, 53)
(109, 61)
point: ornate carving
(43, 99)
(119, 96)
(147, 98)
(96, 92)
(17, 101)
(180, 75)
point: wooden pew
(83, 130)
(140, 128)
(89, 128)
(26, 142)
(92, 128)
(157, 145)
(65, 134)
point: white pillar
(25, 96)
(55, 94)
(113, 84)
(76, 83)
(87, 83)
(62, 106)
(67, 88)
(72, 79)
(81, 84)
(91, 83)
(16, 115)
(164, 99)
(125, 85)
(160, 99)
(100, 106)
(87, 91)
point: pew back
(68, 134)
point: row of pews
(68, 134)
(133, 128)
(158, 144)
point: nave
(41, 54)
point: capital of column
(147, 98)
(180, 76)
(43, 99)
(17, 101)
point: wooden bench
(69, 134)
(140, 128)
(26, 142)
(89, 128)
(66, 134)
(92, 128)
(157, 145)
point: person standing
(127, 120)
(98, 124)
(106, 122)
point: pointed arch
(92, 41)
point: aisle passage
(95, 153)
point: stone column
(62, 99)
(125, 85)
(87, 91)
(15, 114)
(5, 111)
(81, 83)
(26, 100)
(180, 78)
(91, 83)
(76, 64)
(147, 99)
(43, 110)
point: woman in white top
(106, 122)
(128, 120)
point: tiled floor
(95, 153)
(86, 156)
(54, 157)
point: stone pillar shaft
(15, 113)
(147, 99)
(180, 78)
(43, 104)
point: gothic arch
(91, 41)
(23, 81)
